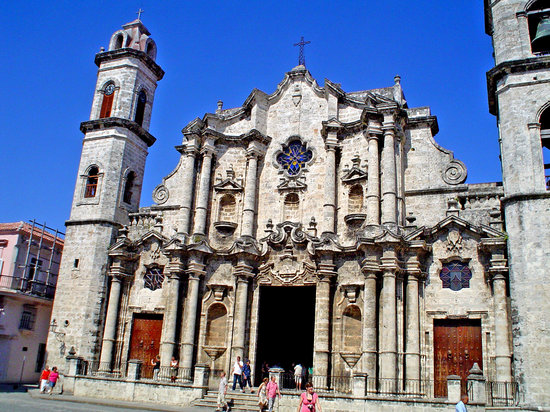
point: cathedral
(318, 226)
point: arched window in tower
(140, 109)
(545, 141)
(91, 182)
(538, 18)
(151, 49)
(291, 207)
(352, 329)
(119, 41)
(355, 199)
(228, 209)
(107, 103)
(128, 187)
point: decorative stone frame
(83, 183)
(302, 171)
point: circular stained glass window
(455, 275)
(294, 157)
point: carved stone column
(321, 352)
(503, 347)
(389, 176)
(204, 187)
(111, 318)
(370, 269)
(170, 324)
(373, 184)
(249, 211)
(388, 336)
(243, 272)
(329, 207)
(195, 270)
(188, 182)
(412, 343)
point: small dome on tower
(134, 35)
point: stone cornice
(108, 122)
(127, 52)
(511, 67)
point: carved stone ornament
(296, 95)
(454, 241)
(350, 291)
(455, 173)
(288, 271)
(160, 194)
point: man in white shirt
(461, 406)
(222, 391)
(298, 372)
(237, 373)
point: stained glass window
(153, 278)
(455, 275)
(294, 157)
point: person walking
(309, 401)
(44, 379)
(298, 372)
(156, 367)
(246, 375)
(52, 379)
(272, 393)
(173, 369)
(262, 394)
(237, 373)
(265, 370)
(222, 392)
(461, 405)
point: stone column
(196, 270)
(370, 270)
(389, 176)
(188, 182)
(243, 271)
(321, 352)
(373, 184)
(111, 319)
(503, 359)
(388, 337)
(170, 324)
(249, 210)
(204, 187)
(329, 207)
(412, 343)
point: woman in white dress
(262, 395)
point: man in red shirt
(44, 378)
(272, 392)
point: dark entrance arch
(286, 327)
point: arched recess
(228, 209)
(151, 48)
(216, 325)
(352, 330)
(140, 109)
(118, 40)
(108, 92)
(355, 199)
(291, 207)
(544, 121)
(92, 180)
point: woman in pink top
(54, 375)
(309, 401)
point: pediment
(228, 185)
(354, 175)
(454, 222)
(291, 184)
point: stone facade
(346, 194)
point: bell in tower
(541, 42)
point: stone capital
(208, 148)
(255, 150)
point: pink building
(29, 264)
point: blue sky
(222, 50)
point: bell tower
(108, 187)
(519, 97)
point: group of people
(48, 379)
(174, 364)
(268, 391)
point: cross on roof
(301, 58)
(139, 13)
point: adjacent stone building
(311, 225)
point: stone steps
(238, 401)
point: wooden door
(145, 341)
(457, 345)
